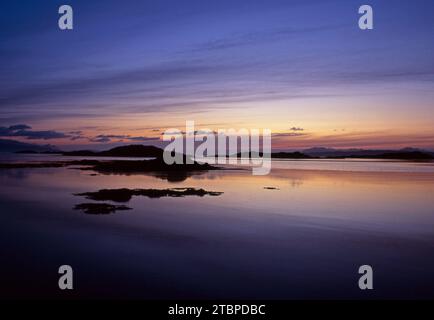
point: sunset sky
(302, 68)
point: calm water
(305, 239)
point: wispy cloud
(259, 37)
(24, 131)
(103, 138)
(288, 134)
(143, 139)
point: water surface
(304, 238)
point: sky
(131, 69)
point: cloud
(100, 140)
(202, 132)
(75, 132)
(19, 127)
(119, 84)
(205, 132)
(106, 138)
(259, 37)
(76, 135)
(173, 132)
(288, 134)
(296, 129)
(143, 139)
(43, 135)
(187, 84)
(254, 56)
(23, 130)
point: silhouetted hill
(142, 151)
(139, 151)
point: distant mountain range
(143, 151)
(404, 154)
(325, 153)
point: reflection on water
(304, 238)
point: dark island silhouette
(133, 151)
(155, 166)
(125, 195)
(100, 208)
(29, 165)
(147, 151)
